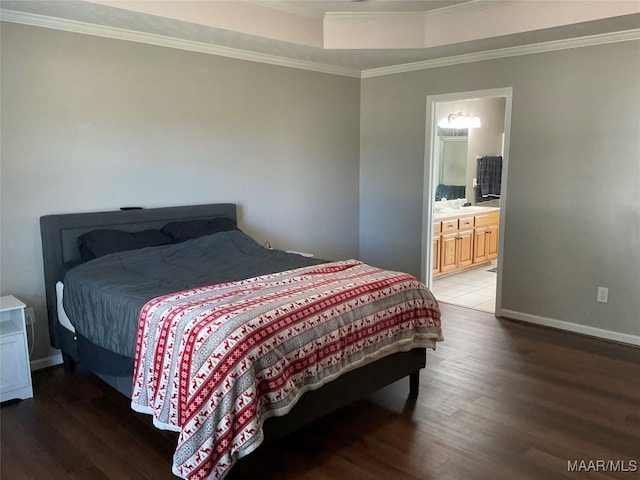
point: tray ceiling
(348, 37)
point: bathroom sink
(475, 209)
(450, 211)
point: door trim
(427, 203)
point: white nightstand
(15, 372)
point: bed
(98, 345)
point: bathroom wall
(486, 140)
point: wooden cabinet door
(435, 254)
(490, 223)
(449, 248)
(492, 242)
(465, 248)
(480, 245)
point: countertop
(463, 212)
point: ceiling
(349, 37)
(317, 8)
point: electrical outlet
(29, 316)
(603, 295)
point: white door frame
(427, 203)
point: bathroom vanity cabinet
(485, 246)
(457, 244)
(464, 240)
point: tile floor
(475, 288)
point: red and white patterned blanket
(213, 363)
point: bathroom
(468, 151)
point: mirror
(451, 167)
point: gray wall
(324, 163)
(94, 124)
(573, 201)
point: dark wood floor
(498, 400)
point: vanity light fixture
(460, 120)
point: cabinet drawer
(437, 227)
(466, 222)
(486, 219)
(449, 225)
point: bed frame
(59, 246)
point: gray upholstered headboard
(60, 234)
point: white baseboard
(573, 327)
(46, 362)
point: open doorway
(466, 160)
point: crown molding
(543, 47)
(355, 16)
(74, 26)
(202, 47)
(470, 6)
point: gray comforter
(103, 298)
